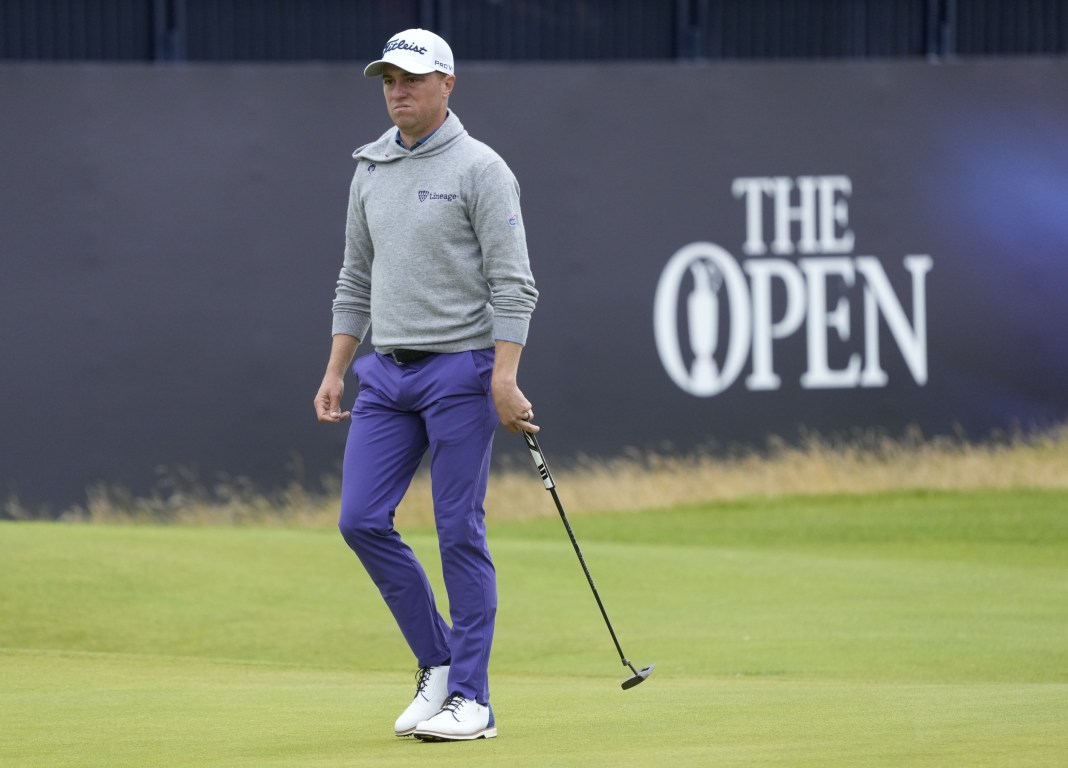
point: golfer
(436, 267)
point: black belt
(405, 356)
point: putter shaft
(550, 486)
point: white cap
(414, 50)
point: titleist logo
(402, 45)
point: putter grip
(539, 461)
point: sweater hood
(385, 149)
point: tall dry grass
(629, 483)
(815, 467)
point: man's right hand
(328, 400)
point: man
(436, 266)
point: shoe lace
(453, 703)
(422, 679)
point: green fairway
(878, 630)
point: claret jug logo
(713, 314)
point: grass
(885, 628)
(863, 463)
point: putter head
(639, 676)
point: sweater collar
(386, 147)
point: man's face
(416, 103)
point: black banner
(724, 253)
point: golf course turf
(883, 629)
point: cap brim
(374, 69)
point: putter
(547, 478)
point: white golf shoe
(460, 719)
(431, 690)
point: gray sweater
(435, 251)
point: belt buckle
(408, 356)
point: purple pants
(441, 403)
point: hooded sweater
(435, 249)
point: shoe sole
(403, 734)
(487, 733)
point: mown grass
(918, 628)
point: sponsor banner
(725, 253)
(782, 250)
